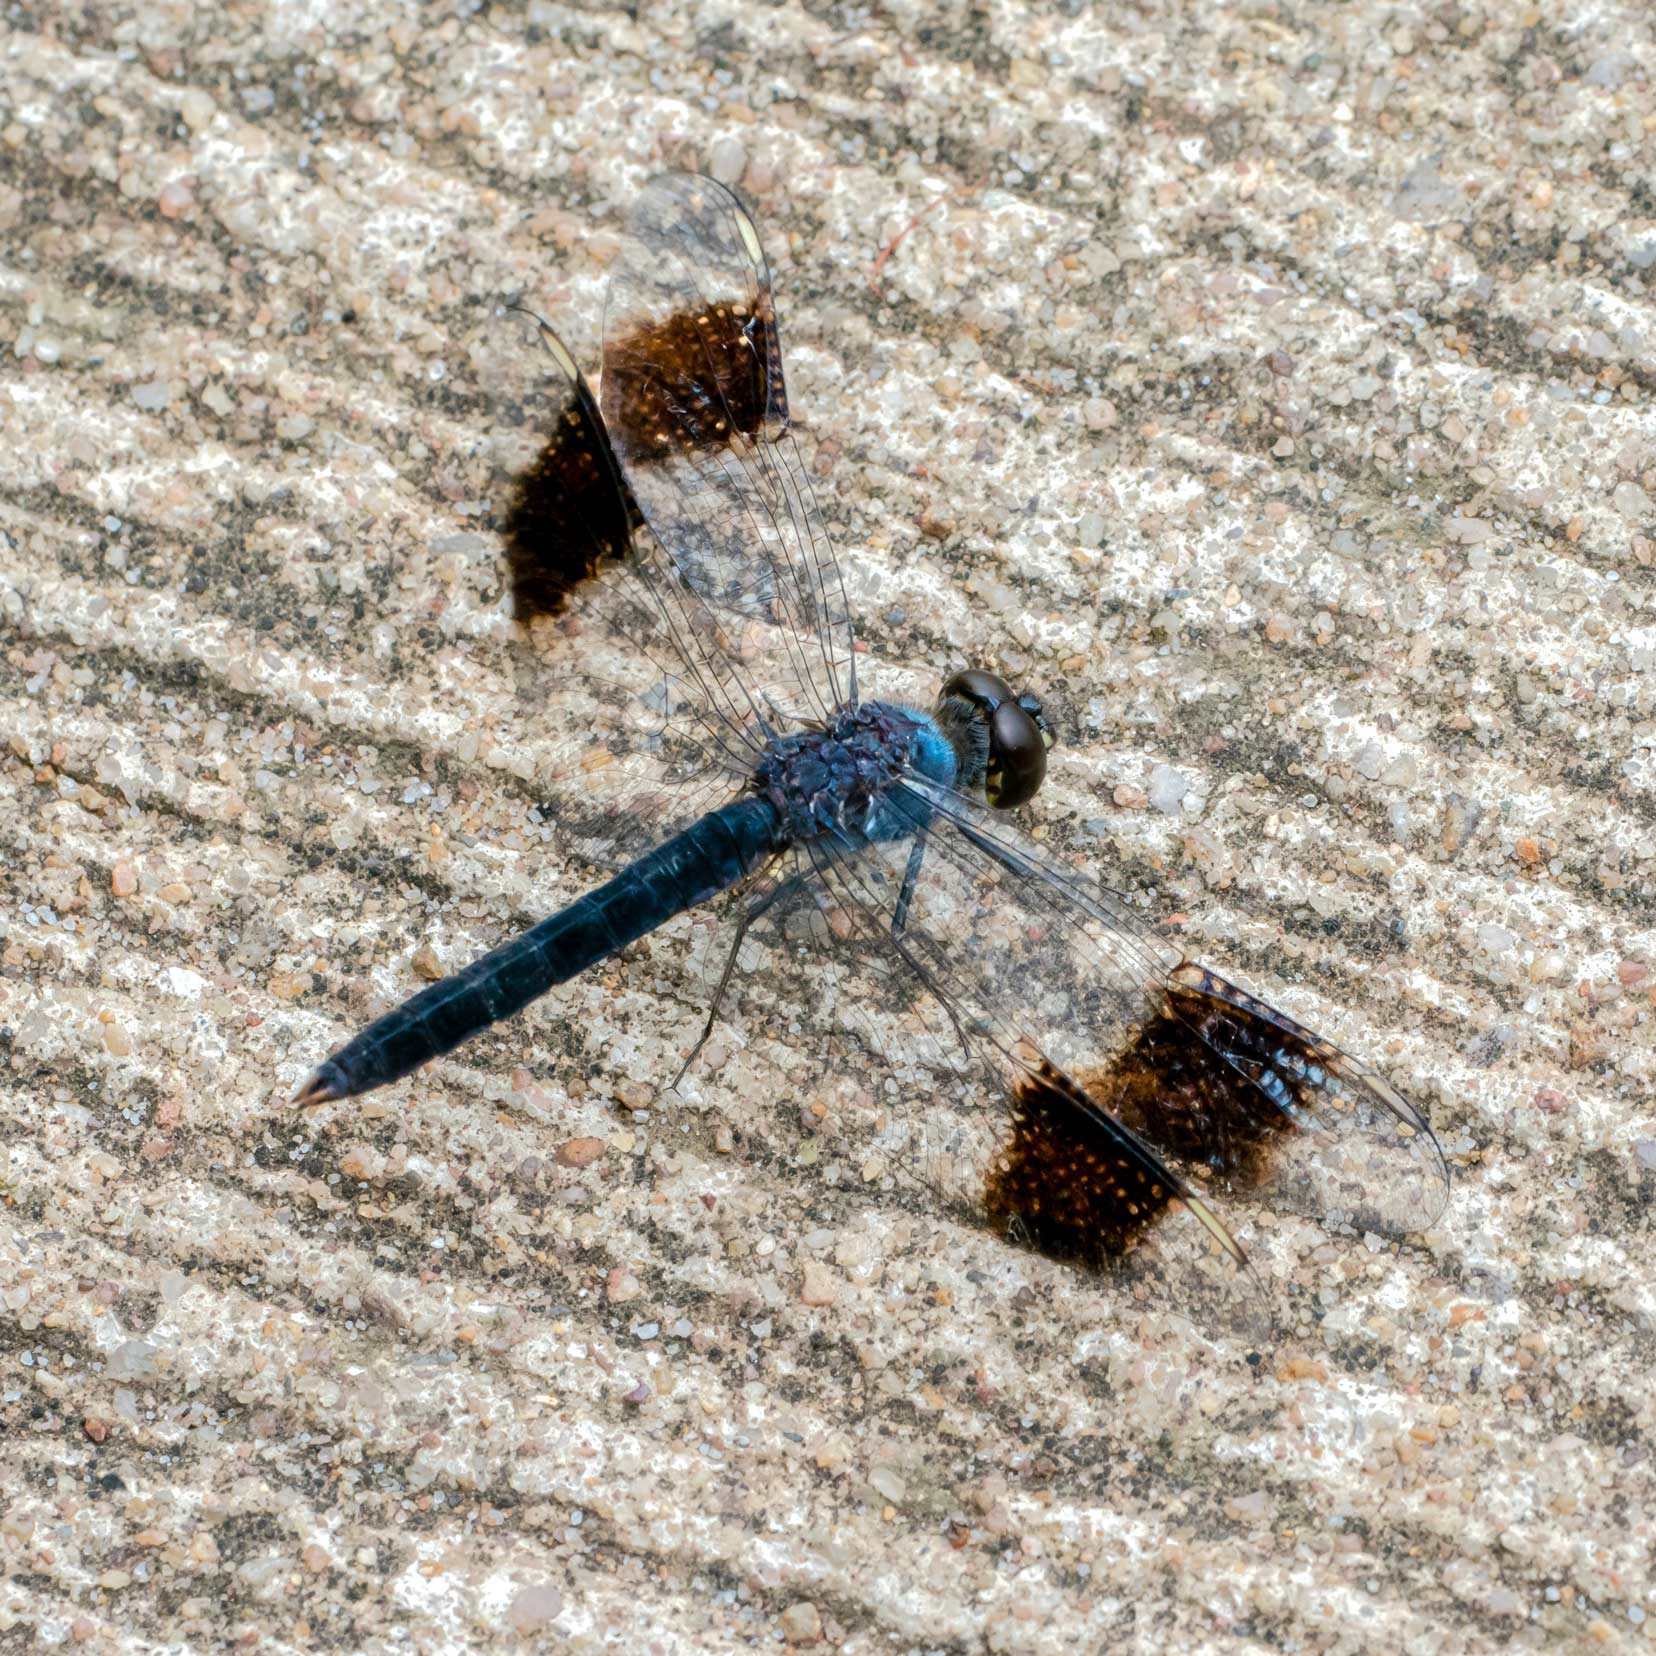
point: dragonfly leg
(911, 875)
(753, 912)
(899, 924)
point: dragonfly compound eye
(984, 690)
(1014, 735)
(1031, 704)
(1018, 743)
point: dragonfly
(1042, 1059)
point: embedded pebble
(630, 1095)
(360, 1162)
(131, 1360)
(801, 1623)
(175, 199)
(889, 1484)
(197, 109)
(727, 159)
(1254, 1508)
(152, 396)
(580, 1152)
(1167, 789)
(1460, 819)
(621, 1286)
(818, 1284)
(533, 1608)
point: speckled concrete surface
(1270, 384)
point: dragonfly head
(1000, 738)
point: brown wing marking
(1183, 1084)
(1235, 1091)
(688, 382)
(570, 510)
(695, 379)
(1074, 1183)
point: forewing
(1056, 1070)
(694, 398)
(1236, 1095)
(950, 1099)
(640, 717)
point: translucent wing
(1236, 1095)
(696, 405)
(1071, 1080)
(643, 715)
(964, 1107)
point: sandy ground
(1271, 384)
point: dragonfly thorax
(836, 779)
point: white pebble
(1167, 790)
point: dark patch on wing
(1072, 1182)
(1216, 1077)
(1175, 1087)
(570, 510)
(1216, 1081)
(688, 382)
(691, 381)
